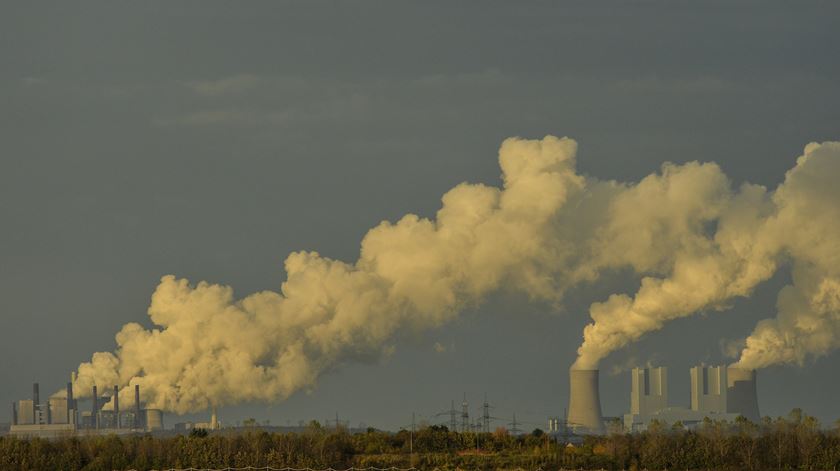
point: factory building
(60, 416)
(708, 389)
(709, 393)
(717, 393)
(649, 390)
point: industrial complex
(717, 393)
(60, 416)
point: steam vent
(741, 391)
(584, 402)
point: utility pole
(478, 427)
(453, 418)
(411, 442)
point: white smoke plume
(697, 243)
(696, 269)
(806, 229)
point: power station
(717, 393)
(61, 416)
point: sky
(210, 139)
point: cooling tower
(741, 393)
(584, 402)
(154, 420)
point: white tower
(649, 390)
(708, 389)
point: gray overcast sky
(210, 139)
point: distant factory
(61, 416)
(717, 393)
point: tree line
(785, 443)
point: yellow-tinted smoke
(697, 243)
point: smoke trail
(210, 348)
(692, 237)
(700, 269)
(806, 228)
(697, 243)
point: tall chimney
(117, 406)
(214, 423)
(71, 406)
(14, 414)
(741, 393)
(584, 402)
(137, 422)
(36, 400)
(94, 415)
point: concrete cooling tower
(742, 397)
(584, 402)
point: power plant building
(60, 416)
(709, 398)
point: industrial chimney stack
(137, 423)
(584, 402)
(71, 406)
(94, 410)
(116, 406)
(741, 392)
(36, 400)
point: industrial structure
(584, 402)
(742, 396)
(717, 393)
(649, 398)
(61, 416)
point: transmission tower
(485, 416)
(338, 423)
(453, 417)
(514, 429)
(465, 415)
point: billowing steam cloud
(697, 243)
(806, 228)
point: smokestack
(136, 406)
(14, 414)
(36, 399)
(71, 406)
(117, 406)
(214, 423)
(741, 393)
(584, 402)
(94, 411)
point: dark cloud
(210, 140)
